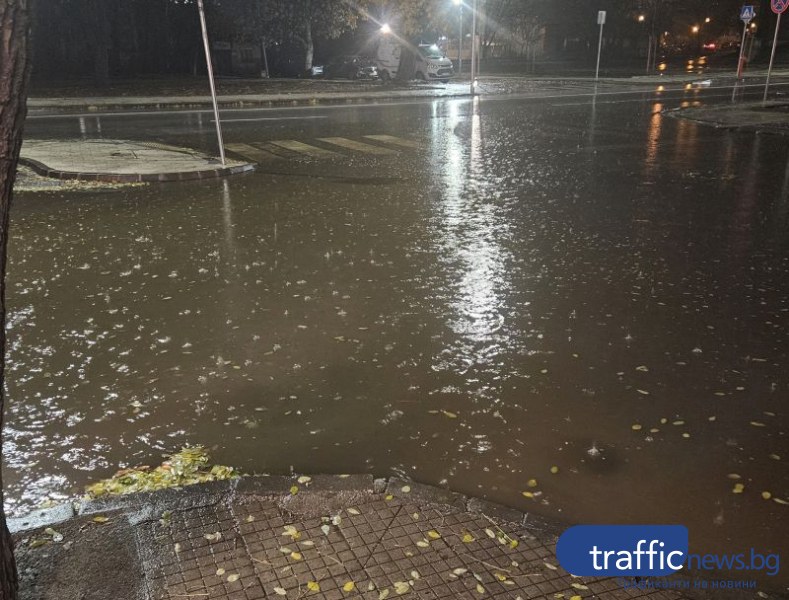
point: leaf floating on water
(738, 488)
(233, 577)
(449, 415)
(554, 470)
(313, 586)
(643, 392)
(775, 457)
(635, 427)
(758, 424)
(532, 483)
(348, 587)
(734, 476)
(280, 591)
(642, 368)
(766, 495)
(780, 501)
(528, 495)
(401, 587)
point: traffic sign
(779, 6)
(747, 14)
(601, 16)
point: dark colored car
(352, 67)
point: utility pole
(208, 63)
(474, 49)
(600, 22)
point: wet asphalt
(572, 288)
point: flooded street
(589, 294)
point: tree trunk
(14, 73)
(309, 46)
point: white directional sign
(601, 17)
(747, 14)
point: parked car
(352, 67)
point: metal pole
(473, 47)
(201, 9)
(649, 52)
(772, 57)
(599, 50)
(460, 42)
(742, 49)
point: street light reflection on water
(582, 287)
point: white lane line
(250, 119)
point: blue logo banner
(623, 550)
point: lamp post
(474, 48)
(459, 3)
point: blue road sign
(747, 13)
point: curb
(146, 505)
(45, 171)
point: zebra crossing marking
(391, 139)
(302, 148)
(357, 146)
(250, 152)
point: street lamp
(695, 29)
(459, 3)
(641, 18)
(385, 28)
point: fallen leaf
(280, 591)
(532, 483)
(220, 571)
(294, 489)
(550, 566)
(766, 495)
(415, 574)
(450, 415)
(348, 587)
(304, 479)
(554, 470)
(459, 571)
(467, 538)
(401, 587)
(353, 511)
(480, 589)
(313, 586)
(738, 488)
(433, 534)
(490, 534)
(405, 489)
(233, 577)
(579, 586)
(423, 544)
(100, 519)
(296, 555)
(528, 495)
(383, 594)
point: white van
(428, 64)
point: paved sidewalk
(770, 117)
(331, 537)
(122, 161)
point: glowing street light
(385, 28)
(707, 20)
(695, 29)
(641, 18)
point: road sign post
(211, 80)
(779, 7)
(600, 22)
(746, 15)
